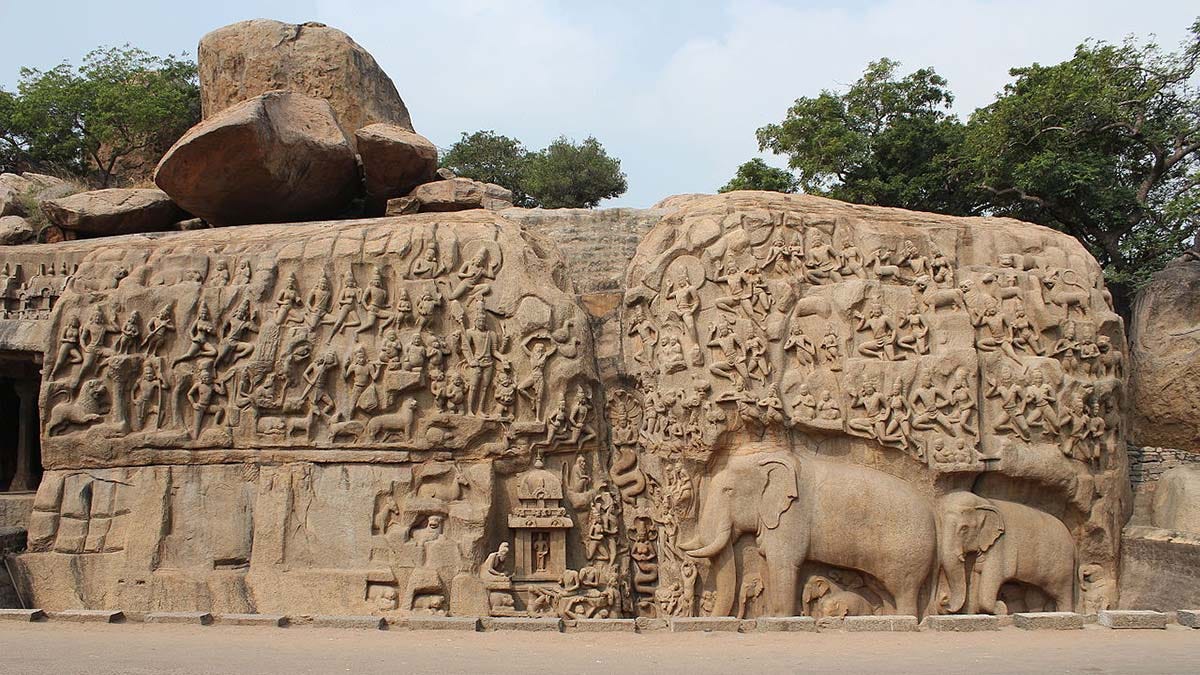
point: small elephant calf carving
(825, 598)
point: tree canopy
(758, 175)
(565, 174)
(1104, 146)
(83, 121)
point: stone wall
(1147, 464)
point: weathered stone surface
(17, 192)
(277, 157)
(22, 615)
(15, 230)
(197, 618)
(647, 624)
(704, 624)
(1188, 617)
(873, 624)
(1160, 570)
(395, 160)
(451, 623)
(527, 624)
(353, 622)
(962, 623)
(88, 616)
(101, 213)
(273, 620)
(603, 626)
(1164, 339)
(785, 624)
(1177, 500)
(1048, 620)
(1133, 619)
(248, 58)
(458, 194)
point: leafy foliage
(888, 141)
(121, 101)
(563, 175)
(492, 158)
(1105, 146)
(570, 175)
(758, 175)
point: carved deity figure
(831, 349)
(361, 376)
(926, 402)
(202, 395)
(68, 347)
(995, 333)
(374, 300)
(235, 336)
(131, 333)
(480, 348)
(881, 341)
(1010, 391)
(533, 385)
(799, 344)
(287, 300)
(200, 335)
(1040, 402)
(148, 396)
(157, 328)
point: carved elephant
(1010, 542)
(842, 515)
(824, 598)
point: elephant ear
(817, 587)
(991, 526)
(779, 491)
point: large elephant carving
(842, 515)
(1009, 542)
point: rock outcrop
(277, 157)
(102, 213)
(243, 60)
(1177, 500)
(15, 230)
(453, 194)
(1164, 387)
(394, 160)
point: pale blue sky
(675, 89)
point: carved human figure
(579, 420)
(416, 355)
(235, 334)
(880, 342)
(455, 393)
(148, 396)
(758, 365)
(827, 407)
(730, 356)
(874, 404)
(243, 273)
(1040, 403)
(1025, 335)
(505, 393)
(962, 403)
(318, 303)
(685, 304)
(347, 304)
(926, 402)
(1066, 348)
(799, 344)
(131, 334)
(91, 341)
(427, 306)
(821, 263)
(480, 348)
(533, 384)
(157, 328)
(831, 349)
(402, 314)
(473, 276)
(851, 262)
(995, 333)
(646, 332)
(913, 331)
(770, 407)
(287, 300)
(68, 347)
(374, 299)
(200, 334)
(910, 257)
(361, 376)
(220, 274)
(1110, 360)
(897, 429)
(1011, 393)
(428, 265)
(492, 569)
(202, 395)
(316, 383)
(806, 403)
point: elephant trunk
(954, 567)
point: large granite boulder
(22, 193)
(1164, 387)
(395, 160)
(1177, 500)
(102, 213)
(454, 194)
(15, 230)
(249, 58)
(278, 157)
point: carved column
(27, 430)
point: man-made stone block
(646, 624)
(1188, 617)
(200, 618)
(89, 616)
(863, 624)
(785, 624)
(1048, 620)
(699, 624)
(603, 626)
(962, 623)
(458, 623)
(276, 620)
(23, 615)
(357, 622)
(528, 624)
(1133, 619)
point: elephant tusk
(712, 548)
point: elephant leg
(906, 600)
(986, 597)
(783, 572)
(1063, 596)
(724, 573)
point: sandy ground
(57, 648)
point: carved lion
(85, 410)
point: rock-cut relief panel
(823, 379)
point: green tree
(1104, 146)
(758, 175)
(120, 102)
(887, 140)
(569, 175)
(492, 158)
